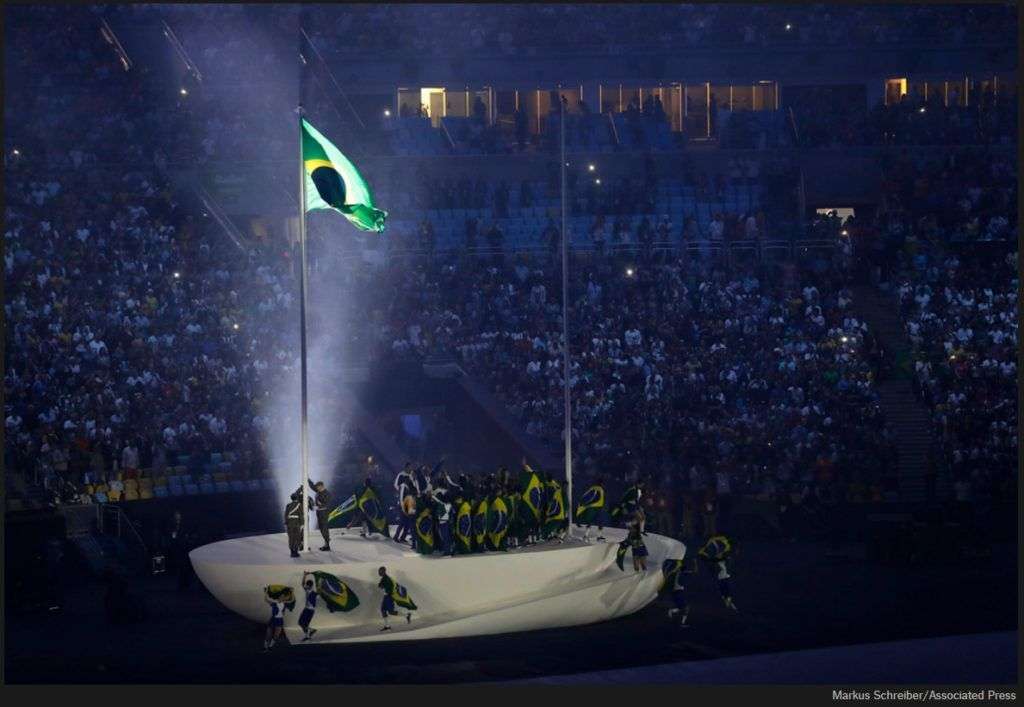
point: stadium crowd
(138, 334)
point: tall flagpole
(303, 298)
(565, 331)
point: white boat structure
(542, 586)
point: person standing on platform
(404, 482)
(407, 515)
(324, 502)
(636, 541)
(591, 510)
(306, 617)
(293, 522)
(443, 517)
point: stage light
(16, 152)
(184, 92)
(591, 167)
(387, 113)
(788, 26)
(921, 109)
(844, 339)
(369, 459)
(597, 181)
(177, 275)
(629, 272)
(235, 326)
(845, 232)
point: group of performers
(336, 595)
(438, 514)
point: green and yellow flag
(669, 570)
(620, 554)
(332, 182)
(341, 516)
(533, 497)
(369, 503)
(464, 528)
(335, 593)
(554, 516)
(497, 523)
(425, 531)
(590, 506)
(282, 593)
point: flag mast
(565, 329)
(303, 298)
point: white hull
(545, 586)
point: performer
(636, 541)
(407, 515)
(307, 612)
(393, 593)
(293, 522)
(591, 509)
(442, 518)
(278, 605)
(716, 551)
(324, 502)
(404, 482)
(681, 608)
(555, 520)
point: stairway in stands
(909, 418)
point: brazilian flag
(336, 594)
(629, 501)
(533, 498)
(589, 509)
(332, 182)
(497, 523)
(369, 504)
(717, 548)
(554, 516)
(425, 531)
(464, 528)
(620, 554)
(282, 593)
(401, 596)
(480, 526)
(341, 516)
(669, 570)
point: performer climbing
(716, 551)
(309, 585)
